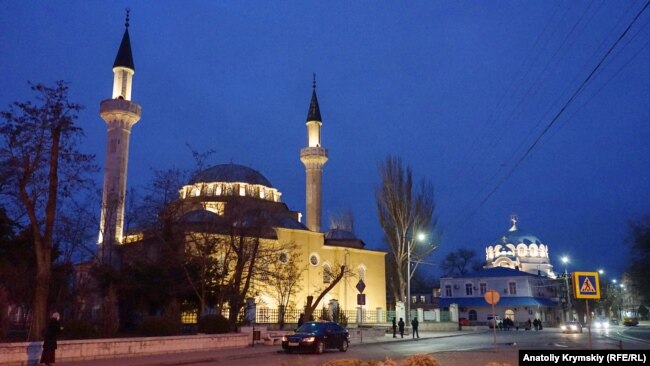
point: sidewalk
(188, 358)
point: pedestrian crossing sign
(586, 285)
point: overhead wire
(565, 106)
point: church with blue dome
(520, 250)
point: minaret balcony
(313, 151)
(120, 110)
(123, 105)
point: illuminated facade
(209, 202)
(519, 250)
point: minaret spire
(314, 157)
(313, 114)
(120, 114)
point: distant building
(518, 268)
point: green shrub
(157, 326)
(78, 329)
(213, 324)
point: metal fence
(272, 316)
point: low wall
(28, 353)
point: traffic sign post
(587, 286)
(492, 297)
(361, 301)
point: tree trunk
(41, 291)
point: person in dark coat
(414, 324)
(49, 340)
(394, 328)
(301, 319)
(401, 327)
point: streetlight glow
(565, 260)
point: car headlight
(563, 327)
(309, 339)
(574, 327)
(605, 325)
(284, 339)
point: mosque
(227, 195)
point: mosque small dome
(231, 173)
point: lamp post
(565, 260)
(420, 237)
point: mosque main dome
(231, 173)
(520, 250)
(230, 180)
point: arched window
(472, 315)
(327, 273)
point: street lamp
(420, 237)
(565, 260)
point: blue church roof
(504, 301)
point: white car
(600, 324)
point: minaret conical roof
(124, 56)
(314, 111)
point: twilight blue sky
(458, 89)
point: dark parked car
(316, 337)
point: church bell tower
(120, 114)
(314, 156)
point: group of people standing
(400, 325)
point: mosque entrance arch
(510, 314)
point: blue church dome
(231, 173)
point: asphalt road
(480, 344)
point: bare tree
(40, 165)
(460, 262)
(283, 276)
(404, 213)
(338, 272)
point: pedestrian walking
(414, 324)
(394, 328)
(49, 340)
(401, 327)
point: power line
(566, 105)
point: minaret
(120, 114)
(314, 157)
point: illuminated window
(242, 190)
(217, 191)
(195, 192)
(423, 300)
(262, 193)
(468, 289)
